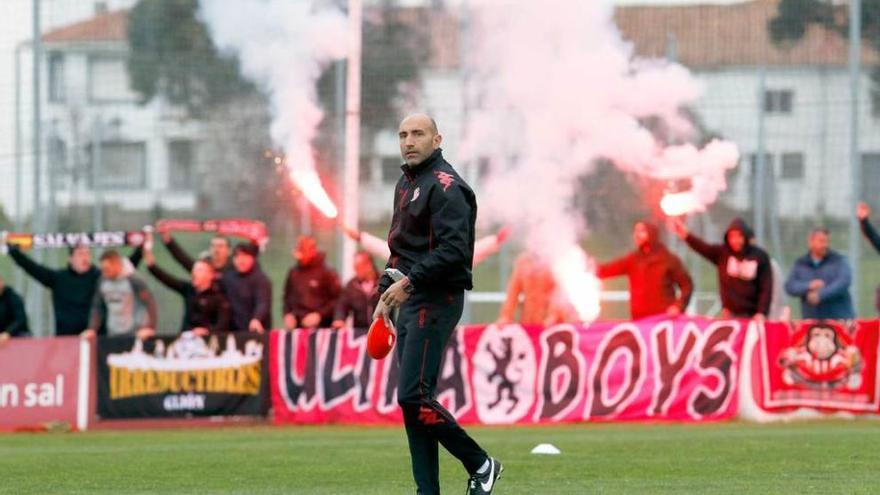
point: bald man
(432, 243)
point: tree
(171, 54)
(795, 16)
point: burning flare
(680, 203)
(575, 273)
(310, 184)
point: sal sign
(683, 369)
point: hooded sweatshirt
(654, 275)
(312, 288)
(745, 279)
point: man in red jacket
(658, 281)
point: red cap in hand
(380, 338)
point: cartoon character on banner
(823, 357)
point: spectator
(206, 309)
(821, 280)
(532, 279)
(219, 256)
(654, 273)
(249, 291)
(72, 287)
(122, 304)
(863, 212)
(311, 289)
(483, 247)
(13, 319)
(360, 295)
(745, 275)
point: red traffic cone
(380, 338)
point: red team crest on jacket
(445, 179)
(823, 357)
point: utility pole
(759, 171)
(855, 161)
(350, 191)
(35, 293)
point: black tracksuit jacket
(432, 229)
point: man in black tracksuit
(432, 243)
(72, 287)
(745, 276)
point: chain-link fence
(139, 116)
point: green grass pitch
(839, 457)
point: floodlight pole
(350, 192)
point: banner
(182, 376)
(826, 365)
(44, 381)
(252, 230)
(103, 239)
(683, 369)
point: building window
(391, 169)
(118, 165)
(870, 186)
(778, 101)
(875, 102)
(108, 80)
(56, 77)
(181, 165)
(56, 153)
(792, 166)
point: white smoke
(283, 46)
(555, 88)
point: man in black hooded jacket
(432, 244)
(311, 289)
(745, 276)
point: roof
(714, 36)
(109, 26)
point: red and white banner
(252, 230)
(684, 369)
(45, 381)
(825, 365)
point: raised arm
(45, 276)
(179, 254)
(712, 252)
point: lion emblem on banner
(823, 357)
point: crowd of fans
(227, 289)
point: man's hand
(502, 320)
(813, 298)
(673, 311)
(145, 333)
(88, 333)
(396, 294)
(149, 259)
(382, 310)
(4, 338)
(256, 326)
(863, 211)
(290, 321)
(759, 317)
(337, 324)
(312, 320)
(201, 331)
(352, 233)
(725, 313)
(679, 228)
(817, 284)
